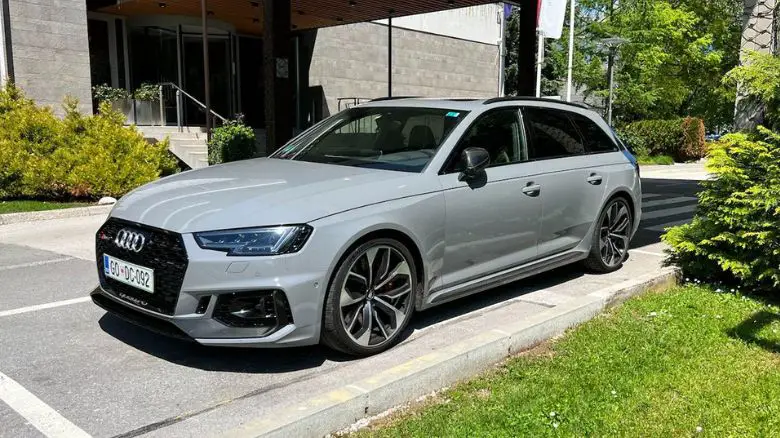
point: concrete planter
(139, 112)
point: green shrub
(111, 159)
(106, 93)
(693, 143)
(682, 139)
(232, 141)
(147, 93)
(735, 236)
(44, 157)
(29, 135)
(635, 141)
(653, 137)
(662, 160)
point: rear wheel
(370, 299)
(611, 237)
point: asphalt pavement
(69, 369)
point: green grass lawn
(688, 362)
(24, 206)
(655, 159)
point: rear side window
(596, 140)
(552, 134)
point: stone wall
(50, 50)
(352, 61)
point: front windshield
(398, 138)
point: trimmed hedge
(735, 235)
(232, 141)
(682, 139)
(45, 157)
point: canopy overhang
(247, 15)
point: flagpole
(502, 52)
(539, 62)
(571, 51)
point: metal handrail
(180, 92)
(355, 101)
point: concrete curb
(33, 216)
(338, 409)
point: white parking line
(650, 195)
(669, 201)
(35, 411)
(43, 306)
(31, 264)
(639, 251)
(663, 227)
(668, 212)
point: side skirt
(504, 277)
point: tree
(759, 78)
(677, 51)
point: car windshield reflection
(390, 138)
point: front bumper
(183, 328)
(196, 309)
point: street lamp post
(612, 44)
(611, 74)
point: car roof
(471, 104)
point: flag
(551, 16)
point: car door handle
(532, 189)
(595, 179)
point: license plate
(128, 273)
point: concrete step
(194, 152)
(188, 138)
(172, 129)
(191, 146)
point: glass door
(221, 83)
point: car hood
(261, 192)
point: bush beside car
(682, 139)
(735, 235)
(232, 141)
(84, 157)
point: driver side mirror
(473, 162)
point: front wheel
(370, 299)
(611, 237)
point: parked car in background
(385, 209)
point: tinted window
(552, 134)
(403, 138)
(596, 140)
(498, 132)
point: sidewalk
(72, 236)
(680, 171)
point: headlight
(256, 241)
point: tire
(384, 296)
(611, 237)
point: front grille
(163, 251)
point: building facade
(66, 47)
(760, 25)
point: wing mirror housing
(475, 161)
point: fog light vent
(203, 305)
(268, 309)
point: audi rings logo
(130, 240)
